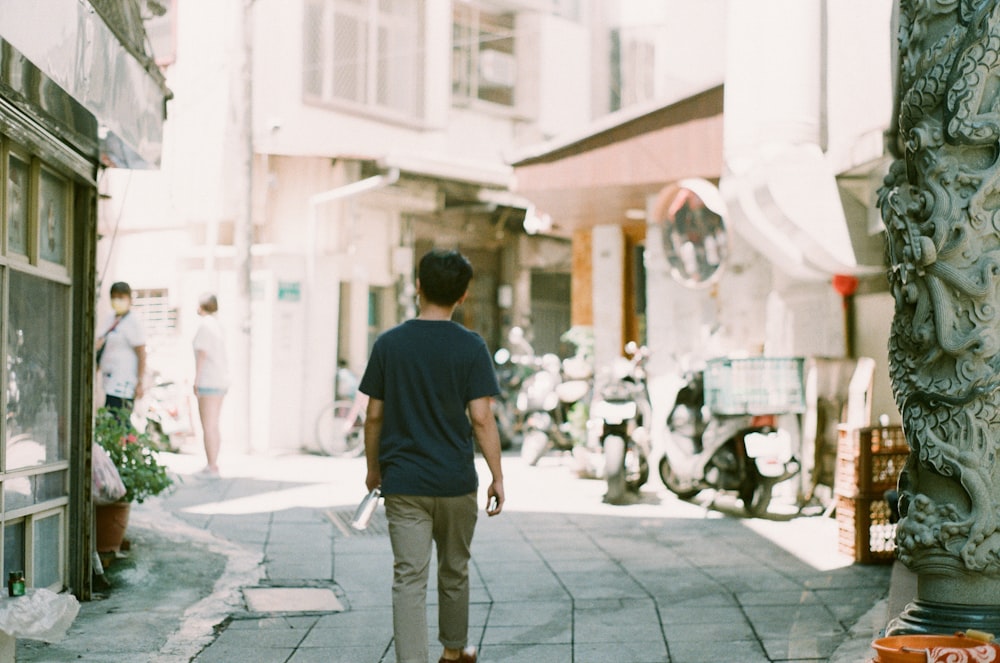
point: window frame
(319, 59)
(467, 54)
(55, 500)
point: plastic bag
(108, 486)
(41, 615)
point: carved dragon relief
(941, 207)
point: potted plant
(134, 455)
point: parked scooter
(547, 400)
(164, 413)
(510, 374)
(742, 453)
(514, 364)
(619, 417)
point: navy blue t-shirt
(426, 372)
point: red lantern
(845, 284)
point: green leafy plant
(133, 454)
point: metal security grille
(153, 307)
(366, 54)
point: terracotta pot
(112, 521)
(933, 649)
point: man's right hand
(494, 498)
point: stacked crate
(869, 461)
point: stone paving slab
(661, 581)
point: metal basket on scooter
(755, 385)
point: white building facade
(380, 129)
(376, 131)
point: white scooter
(164, 413)
(619, 416)
(740, 453)
(545, 401)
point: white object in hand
(366, 509)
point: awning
(596, 177)
(119, 84)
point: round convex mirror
(693, 231)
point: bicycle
(340, 427)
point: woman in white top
(211, 378)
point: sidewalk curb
(857, 647)
(244, 568)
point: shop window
(53, 206)
(38, 205)
(46, 555)
(13, 546)
(36, 214)
(37, 332)
(17, 205)
(366, 54)
(484, 67)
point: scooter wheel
(759, 499)
(614, 469)
(636, 477)
(533, 446)
(673, 483)
(336, 434)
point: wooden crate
(864, 531)
(869, 460)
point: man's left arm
(484, 426)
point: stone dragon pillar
(941, 207)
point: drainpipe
(340, 193)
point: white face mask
(120, 305)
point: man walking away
(430, 383)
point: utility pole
(242, 99)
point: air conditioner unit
(496, 69)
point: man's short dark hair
(121, 289)
(444, 276)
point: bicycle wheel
(336, 435)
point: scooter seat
(572, 390)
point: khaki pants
(414, 523)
